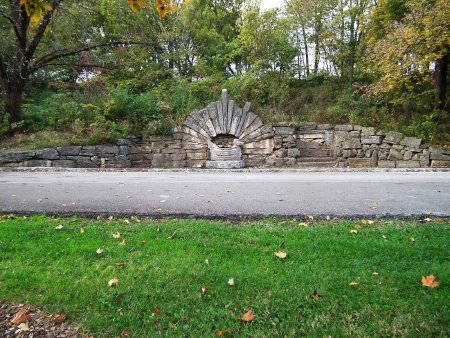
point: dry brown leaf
(59, 318)
(113, 282)
(280, 254)
(248, 316)
(429, 281)
(221, 333)
(120, 264)
(22, 316)
(204, 289)
(156, 312)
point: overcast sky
(267, 4)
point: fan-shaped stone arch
(220, 119)
(224, 117)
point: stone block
(86, 163)
(371, 139)
(386, 164)
(353, 143)
(324, 127)
(411, 142)
(17, 156)
(179, 164)
(343, 127)
(63, 164)
(395, 155)
(107, 149)
(225, 164)
(357, 128)
(425, 159)
(354, 133)
(397, 147)
(178, 157)
(284, 130)
(195, 163)
(439, 154)
(440, 164)
(349, 153)
(38, 163)
(408, 164)
(307, 126)
(278, 142)
(194, 155)
(69, 151)
(123, 142)
(408, 155)
(368, 131)
(359, 162)
(88, 151)
(280, 153)
(124, 150)
(47, 154)
(392, 137)
(293, 152)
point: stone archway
(222, 119)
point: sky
(268, 4)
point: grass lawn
(165, 264)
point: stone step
(315, 152)
(325, 164)
(315, 159)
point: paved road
(222, 194)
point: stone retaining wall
(274, 145)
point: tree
(25, 24)
(408, 48)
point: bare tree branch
(46, 59)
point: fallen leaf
(173, 326)
(120, 264)
(315, 295)
(59, 318)
(111, 217)
(81, 230)
(99, 251)
(156, 312)
(412, 239)
(221, 333)
(59, 227)
(126, 221)
(231, 281)
(204, 289)
(280, 254)
(143, 242)
(353, 283)
(116, 235)
(429, 281)
(384, 237)
(122, 243)
(22, 327)
(125, 333)
(310, 217)
(22, 316)
(248, 316)
(303, 224)
(353, 231)
(113, 282)
(207, 261)
(375, 273)
(427, 219)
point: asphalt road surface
(228, 194)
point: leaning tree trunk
(440, 82)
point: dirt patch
(33, 323)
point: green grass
(60, 271)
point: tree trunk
(13, 105)
(440, 82)
(305, 42)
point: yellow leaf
(280, 254)
(429, 281)
(230, 281)
(99, 251)
(116, 235)
(353, 231)
(353, 283)
(122, 243)
(113, 282)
